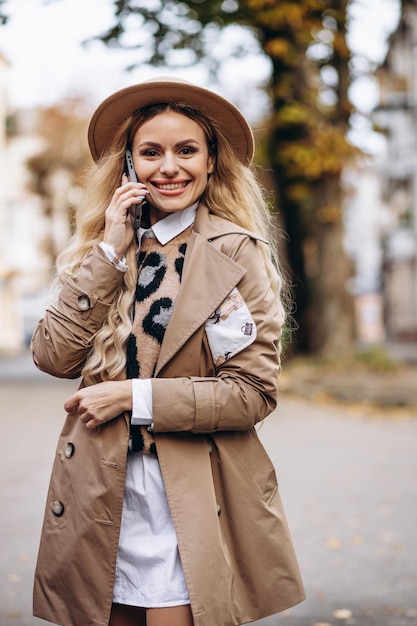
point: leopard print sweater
(159, 278)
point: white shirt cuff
(141, 402)
(111, 255)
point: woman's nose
(169, 165)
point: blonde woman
(163, 506)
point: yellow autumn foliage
(293, 113)
(329, 214)
(277, 47)
(299, 192)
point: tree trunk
(331, 318)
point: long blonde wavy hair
(233, 192)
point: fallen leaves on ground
(342, 614)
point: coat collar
(211, 226)
(208, 277)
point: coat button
(83, 302)
(57, 508)
(219, 508)
(69, 450)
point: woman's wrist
(125, 394)
(118, 260)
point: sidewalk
(347, 480)
(19, 366)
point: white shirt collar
(171, 226)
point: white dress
(148, 570)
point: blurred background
(330, 87)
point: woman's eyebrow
(154, 144)
(184, 142)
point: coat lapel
(208, 277)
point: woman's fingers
(97, 404)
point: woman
(163, 506)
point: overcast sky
(42, 43)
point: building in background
(24, 266)
(11, 323)
(396, 116)
(367, 219)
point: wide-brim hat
(114, 110)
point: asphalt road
(348, 481)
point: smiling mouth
(170, 186)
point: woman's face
(171, 158)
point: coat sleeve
(62, 339)
(244, 390)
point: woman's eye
(150, 153)
(187, 151)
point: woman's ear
(211, 163)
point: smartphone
(136, 208)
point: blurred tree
(56, 171)
(308, 150)
(307, 147)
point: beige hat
(112, 112)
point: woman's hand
(99, 403)
(118, 229)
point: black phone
(136, 209)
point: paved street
(348, 481)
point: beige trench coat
(234, 543)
